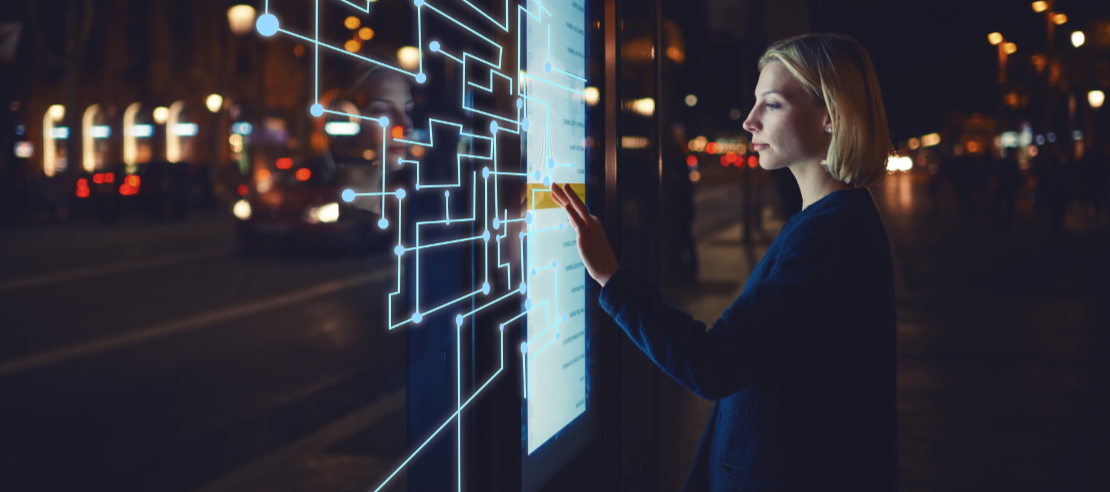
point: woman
(802, 365)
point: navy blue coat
(802, 365)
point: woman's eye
(772, 105)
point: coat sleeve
(751, 337)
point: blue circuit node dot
(316, 110)
(551, 162)
(564, 317)
(400, 161)
(527, 304)
(523, 287)
(573, 165)
(458, 319)
(485, 172)
(400, 193)
(446, 193)
(418, 3)
(524, 347)
(383, 121)
(383, 223)
(420, 78)
(493, 127)
(560, 226)
(528, 218)
(399, 250)
(547, 180)
(266, 24)
(552, 263)
(496, 223)
(558, 335)
(416, 317)
(485, 288)
(502, 327)
(525, 124)
(533, 272)
(537, 174)
(434, 46)
(348, 195)
(519, 102)
(417, 186)
(547, 67)
(485, 235)
(522, 234)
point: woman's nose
(752, 124)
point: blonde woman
(802, 365)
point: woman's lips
(758, 146)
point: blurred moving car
(298, 207)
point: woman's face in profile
(388, 95)
(787, 127)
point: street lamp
(213, 102)
(1096, 98)
(1004, 49)
(1039, 7)
(241, 19)
(1077, 38)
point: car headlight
(242, 209)
(328, 212)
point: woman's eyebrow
(772, 91)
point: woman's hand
(593, 246)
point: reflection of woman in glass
(802, 365)
(380, 92)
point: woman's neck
(815, 182)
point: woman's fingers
(560, 198)
(576, 202)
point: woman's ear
(827, 122)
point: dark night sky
(932, 58)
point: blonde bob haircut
(836, 70)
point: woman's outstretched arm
(713, 363)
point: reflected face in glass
(787, 127)
(388, 95)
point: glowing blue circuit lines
(495, 219)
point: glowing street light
(241, 19)
(995, 37)
(691, 100)
(1077, 38)
(1059, 19)
(213, 102)
(1096, 98)
(1039, 7)
(409, 57)
(1009, 48)
(161, 114)
(57, 111)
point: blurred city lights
(24, 150)
(398, 131)
(632, 142)
(82, 188)
(1039, 6)
(236, 142)
(1059, 19)
(1077, 38)
(352, 22)
(303, 174)
(711, 148)
(1096, 98)
(57, 112)
(242, 209)
(930, 140)
(1009, 48)
(409, 57)
(899, 163)
(366, 34)
(100, 131)
(352, 45)
(697, 144)
(213, 102)
(324, 213)
(142, 131)
(995, 37)
(914, 143)
(241, 19)
(592, 96)
(241, 128)
(185, 130)
(161, 113)
(643, 106)
(695, 176)
(262, 175)
(691, 100)
(345, 128)
(734, 114)
(284, 163)
(691, 160)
